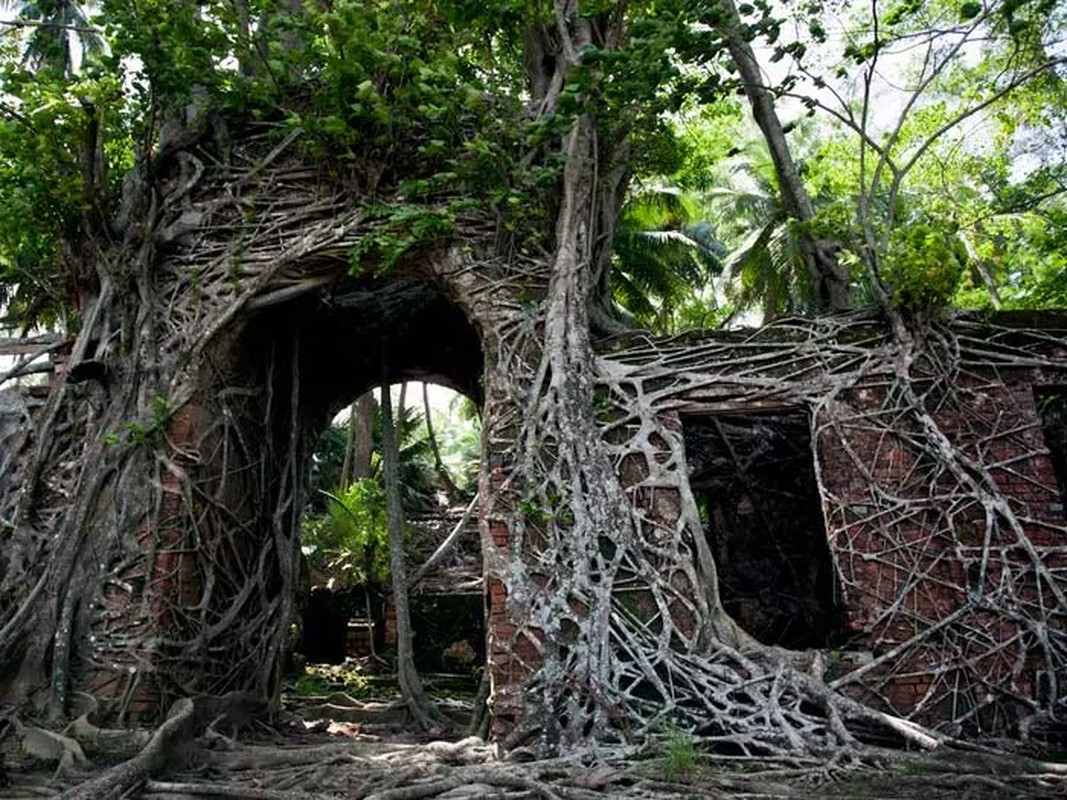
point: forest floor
(339, 746)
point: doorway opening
(1052, 410)
(753, 478)
(323, 360)
(344, 540)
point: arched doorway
(210, 600)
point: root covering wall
(150, 512)
(942, 509)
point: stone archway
(348, 328)
(222, 561)
(157, 492)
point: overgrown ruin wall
(952, 603)
(925, 638)
(912, 555)
(151, 512)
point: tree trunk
(360, 441)
(830, 278)
(368, 609)
(421, 709)
(447, 484)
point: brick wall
(909, 561)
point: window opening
(1052, 410)
(753, 478)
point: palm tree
(351, 541)
(830, 291)
(665, 253)
(58, 30)
(417, 476)
(766, 267)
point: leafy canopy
(424, 109)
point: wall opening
(753, 477)
(344, 540)
(322, 360)
(1052, 409)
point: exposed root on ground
(293, 765)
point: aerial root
(177, 730)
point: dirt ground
(337, 746)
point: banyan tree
(324, 200)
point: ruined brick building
(934, 590)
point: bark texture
(407, 676)
(360, 442)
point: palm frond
(633, 299)
(665, 249)
(739, 210)
(752, 275)
(58, 25)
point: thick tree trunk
(360, 441)
(578, 522)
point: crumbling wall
(943, 516)
(914, 553)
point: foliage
(679, 759)
(326, 464)
(55, 31)
(309, 685)
(405, 227)
(408, 98)
(459, 432)
(978, 89)
(323, 679)
(417, 480)
(415, 463)
(66, 140)
(730, 169)
(919, 114)
(423, 100)
(1032, 251)
(923, 265)
(150, 432)
(350, 541)
(344, 530)
(764, 267)
(422, 107)
(48, 123)
(665, 252)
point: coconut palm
(349, 541)
(58, 29)
(765, 267)
(417, 477)
(665, 253)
